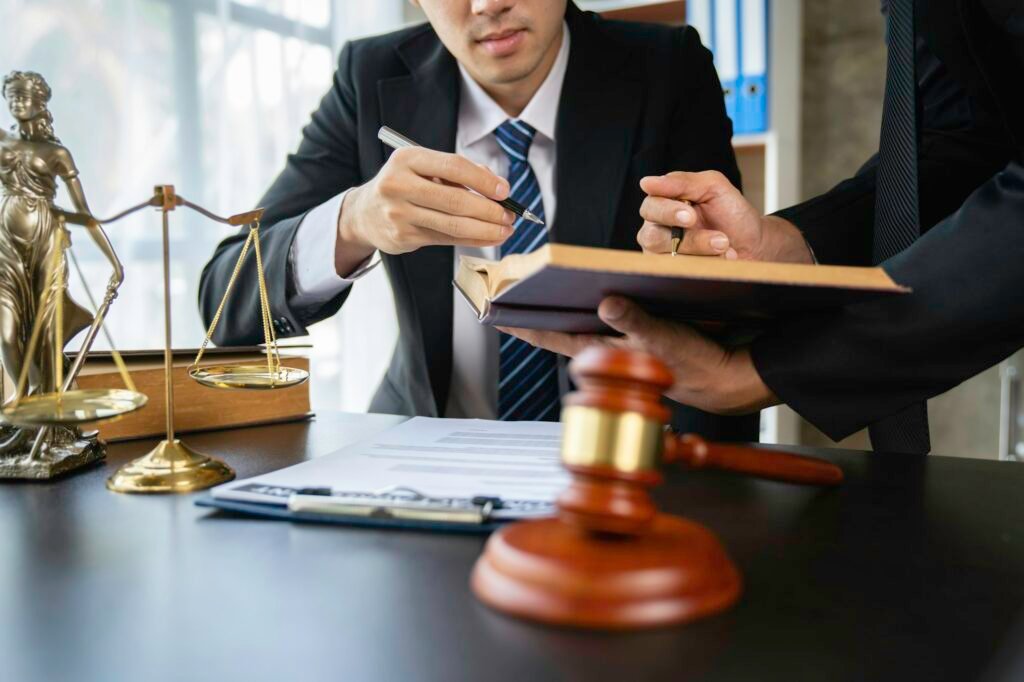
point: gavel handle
(697, 453)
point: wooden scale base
(610, 560)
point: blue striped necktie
(897, 219)
(527, 376)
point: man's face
(498, 41)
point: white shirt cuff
(312, 257)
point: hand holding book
(566, 298)
(708, 375)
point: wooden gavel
(610, 559)
(613, 429)
(697, 453)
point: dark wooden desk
(914, 570)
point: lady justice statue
(33, 237)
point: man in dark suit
(941, 208)
(540, 102)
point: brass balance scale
(172, 466)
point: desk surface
(912, 570)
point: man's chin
(505, 73)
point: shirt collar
(479, 115)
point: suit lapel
(424, 107)
(597, 119)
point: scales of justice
(41, 434)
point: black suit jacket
(637, 100)
(848, 369)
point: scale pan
(248, 376)
(72, 407)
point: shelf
(750, 140)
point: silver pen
(398, 141)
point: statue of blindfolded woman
(33, 239)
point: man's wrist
(350, 251)
(743, 390)
(783, 242)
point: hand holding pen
(421, 197)
(716, 220)
(695, 214)
(398, 141)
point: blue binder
(725, 29)
(752, 103)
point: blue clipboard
(281, 513)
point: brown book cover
(558, 287)
(197, 407)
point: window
(210, 96)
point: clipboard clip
(398, 503)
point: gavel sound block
(610, 560)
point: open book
(559, 287)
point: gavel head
(612, 439)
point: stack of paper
(516, 462)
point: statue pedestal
(64, 451)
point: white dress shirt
(474, 382)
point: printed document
(518, 462)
